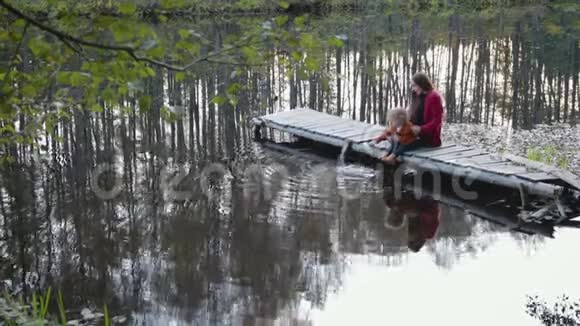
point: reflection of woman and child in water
(422, 217)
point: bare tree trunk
(293, 93)
(494, 81)
(506, 74)
(381, 99)
(515, 77)
(575, 91)
(452, 65)
(566, 93)
(558, 96)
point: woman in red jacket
(425, 112)
(426, 116)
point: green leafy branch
(133, 52)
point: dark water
(204, 226)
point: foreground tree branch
(67, 39)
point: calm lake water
(204, 226)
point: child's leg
(394, 146)
(401, 148)
(390, 158)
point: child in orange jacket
(400, 134)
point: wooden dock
(451, 159)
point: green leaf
(312, 64)
(9, 129)
(249, 52)
(156, 52)
(145, 103)
(61, 309)
(301, 74)
(219, 100)
(20, 23)
(180, 76)
(122, 31)
(150, 71)
(167, 115)
(553, 28)
(325, 83)
(122, 90)
(233, 100)
(297, 56)
(184, 33)
(284, 5)
(28, 90)
(281, 20)
(79, 78)
(170, 4)
(106, 316)
(127, 8)
(63, 77)
(190, 47)
(108, 95)
(6, 109)
(4, 35)
(234, 88)
(39, 47)
(73, 78)
(44, 304)
(335, 42)
(104, 21)
(96, 108)
(300, 21)
(307, 41)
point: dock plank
(313, 123)
(539, 176)
(297, 117)
(288, 122)
(287, 116)
(500, 161)
(366, 134)
(445, 151)
(494, 165)
(351, 133)
(365, 137)
(321, 120)
(457, 155)
(280, 114)
(344, 128)
(508, 169)
(345, 131)
(431, 149)
(479, 160)
(335, 125)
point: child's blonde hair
(398, 113)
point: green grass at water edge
(16, 312)
(548, 154)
